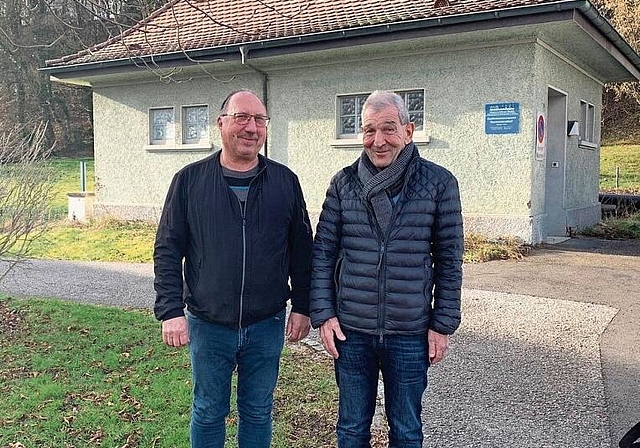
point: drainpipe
(244, 52)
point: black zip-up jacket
(237, 262)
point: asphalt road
(548, 354)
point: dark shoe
(632, 438)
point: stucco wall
(132, 181)
(494, 171)
(582, 164)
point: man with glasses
(386, 275)
(238, 224)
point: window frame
(358, 115)
(203, 140)
(177, 143)
(404, 94)
(587, 125)
(355, 140)
(166, 141)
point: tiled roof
(183, 25)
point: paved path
(548, 353)
(592, 272)
(117, 284)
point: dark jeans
(215, 352)
(403, 361)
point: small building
(505, 94)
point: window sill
(356, 143)
(198, 147)
(421, 139)
(587, 145)
(347, 143)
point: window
(587, 124)
(195, 124)
(161, 126)
(350, 119)
(415, 103)
(350, 112)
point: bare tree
(26, 187)
(621, 111)
(33, 31)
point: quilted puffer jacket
(404, 282)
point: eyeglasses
(244, 119)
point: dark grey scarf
(380, 186)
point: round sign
(540, 129)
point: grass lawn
(76, 375)
(100, 240)
(627, 158)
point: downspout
(244, 52)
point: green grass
(98, 240)
(68, 181)
(620, 228)
(627, 158)
(78, 376)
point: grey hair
(225, 103)
(381, 99)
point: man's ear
(408, 132)
(219, 122)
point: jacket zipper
(381, 291)
(380, 268)
(381, 271)
(243, 213)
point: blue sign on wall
(502, 118)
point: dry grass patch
(478, 248)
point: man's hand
(438, 346)
(175, 332)
(330, 330)
(297, 327)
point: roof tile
(183, 25)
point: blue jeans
(216, 351)
(403, 361)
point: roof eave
(369, 31)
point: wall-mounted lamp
(572, 128)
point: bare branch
(26, 184)
(18, 46)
